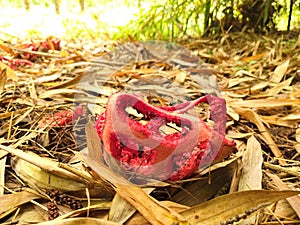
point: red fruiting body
(14, 63)
(50, 43)
(62, 118)
(142, 148)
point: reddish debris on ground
(27, 58)
(51, 43)
(62, 118)
(14, 63)
(142, 148)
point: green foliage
(175, 19)
(166, 21)
(160, 20)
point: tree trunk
(290, 15)
(57, 6)
(81, 2)
(207, 14)
(27, 5)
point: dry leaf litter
(43, 97)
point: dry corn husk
(34, 176)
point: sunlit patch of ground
(42, 22)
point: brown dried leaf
(280, 71)
(58, 92)
(2, 174)
(34, 176)
(10, 201)
(7, 49)
(199, 191)
(298, 135)
(276, 89)
(180, 77)
(121, 210)
(251, 177)
(258, 103)
(31, 214)
(138, 219)
(226, 207)
(252, 166)
(150, 208)
(294, 201)
(79, 221)
(2, 79)
(281, 121)
(41, 162)
(93, 141)
(279, 87)
(256, 119)
(9, 72)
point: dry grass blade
(99, 206)
(69, 83)
(58, 92)
(260, 103)
(287, 170)
(79, 221)
(233, 207)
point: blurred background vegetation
(146, 19)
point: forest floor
(45, 83)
